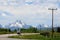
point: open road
(5, 36)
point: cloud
(35, 12)
(4, 14)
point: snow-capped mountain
(0, 26)
(17, 24)
(43, 26)
(26, 26)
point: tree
(58, 29)
(33, 29)
(29, 30)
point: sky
(31, 12)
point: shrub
(45, 34)
(58, 29)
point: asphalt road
(5, 36)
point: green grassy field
(38, 37)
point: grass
(38, 37)
(29, 37)
(6, 33)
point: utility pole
(39, 28)
(52, 19)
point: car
(18, 32)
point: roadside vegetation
(44, 35)
(8, 31)
(30, 30)
(5, 31)
(38, 37)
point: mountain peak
(20, 22)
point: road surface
(5, 36)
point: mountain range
(20, 24)
(16, 25)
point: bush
(45, 34)
(58, 29)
